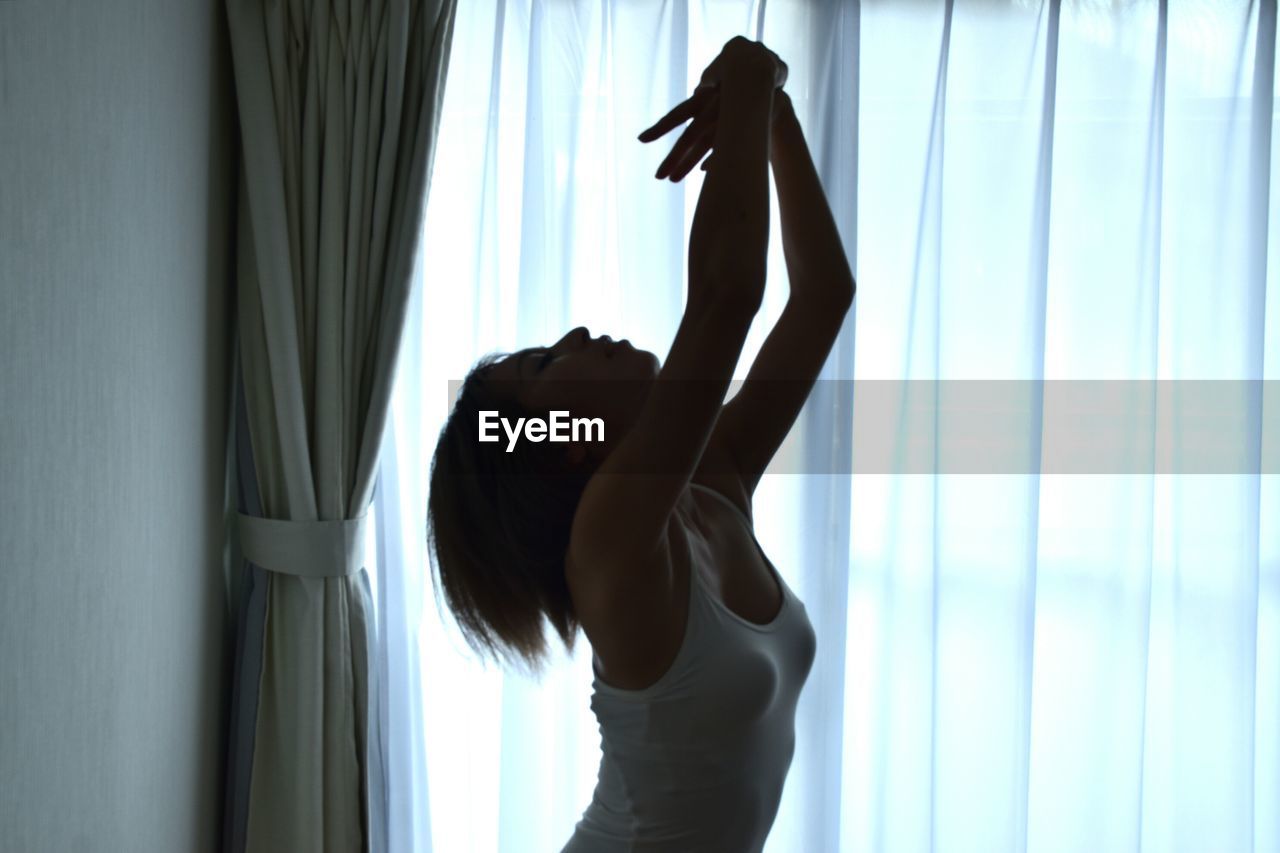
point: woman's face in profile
(585, 376)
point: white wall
(116, 190)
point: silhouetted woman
(645, 540)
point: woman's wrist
(749, 80)
(748, 93)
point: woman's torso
(697, 737)
(633, 647)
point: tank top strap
(698, 591)
(702, 599)
(723, 499)
(716, 606)
(751, 531)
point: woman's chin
(644, 354)
(628, 359)
(651, 365)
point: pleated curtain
(339, 109)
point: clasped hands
(738, 56)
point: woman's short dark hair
(498, 528)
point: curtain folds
(339, 108)
(1028, 191)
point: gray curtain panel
(339, 107)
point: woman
(644, 539)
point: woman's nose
(583, 336)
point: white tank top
(697, 760)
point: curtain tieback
(309, 549)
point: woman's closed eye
(545, 359)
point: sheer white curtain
(1027, 191)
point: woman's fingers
(678, 115)
(697, 140)
(700, 146)
(679, 149)
(688, 139)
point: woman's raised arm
(622, 518)
(756, 421)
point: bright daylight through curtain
(1023, 661)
